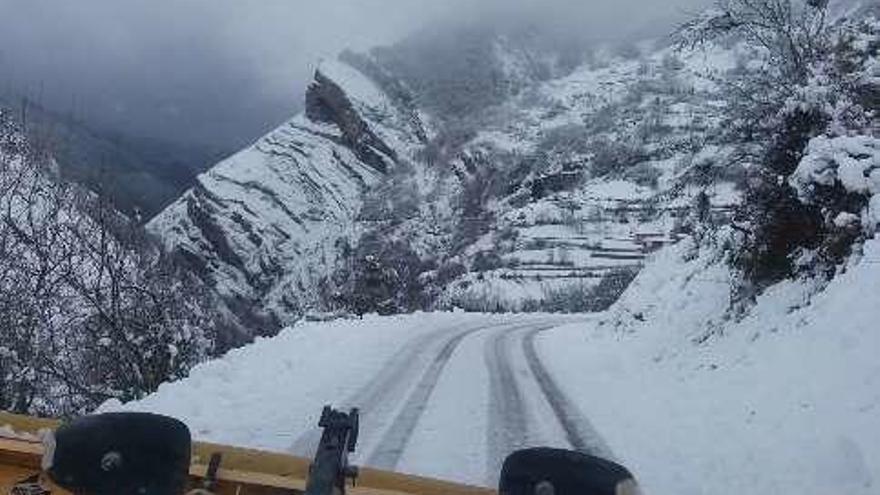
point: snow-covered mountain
(544, 189)
(265, 226)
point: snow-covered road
(527, 407)
(521, 403)
(445, 395)
(784, 400)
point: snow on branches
(850, 162)
(803, 112)
(90, 309)
(791, 33)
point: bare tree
(793, 33)
(90, 308)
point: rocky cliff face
(264, 226)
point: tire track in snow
(377, 399)
(579, 432)
(508, 415)
(393, 444)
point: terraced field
(568, 244)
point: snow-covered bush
(644, 174)
(612, 156)
(852, 162)
(587, 298)
(842, 176)
(566, 141)
(380, 275)
(837, 175)
(805, 77)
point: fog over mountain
(221, 72)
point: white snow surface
(356, 85)
(854, 161)
(851, 161)
(266, 394)
(783, 400)
(393, 125)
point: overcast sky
(224, 71)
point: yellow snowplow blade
(242, 471)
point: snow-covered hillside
(785, 400)
(603, 166)
(264, 226)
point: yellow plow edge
(242, 472)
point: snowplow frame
(242, 471)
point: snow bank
(785, 401)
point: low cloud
(224, 71)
